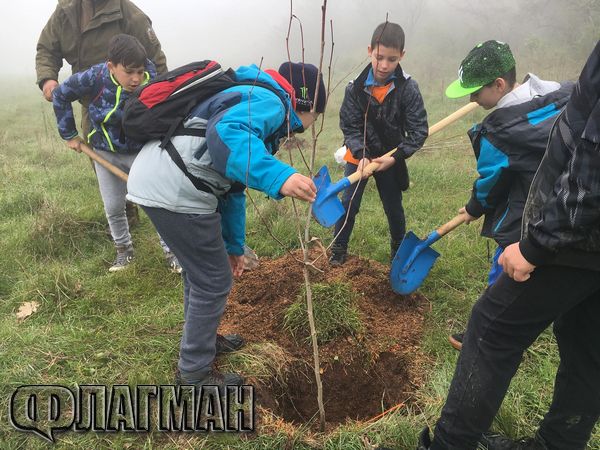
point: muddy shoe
(123, 259)
(456, 340)
(209, 377)
(493, 441)
(229, 343)
(424, 440)
(337, 259)
(173, 263)
(394, 245)
(133, 214)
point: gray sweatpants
(113, 191)
(197, 242)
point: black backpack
(158, 109)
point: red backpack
(157, 109)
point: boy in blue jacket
(551, 276)
(509, 143)
(108, 85)
(206, 228)
(382, 109)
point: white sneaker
(173, 263)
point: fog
(542, 33)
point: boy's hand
(47, 89)
(75, 144)
(469, 218)
(514, 263)
(361, 168)
(300, 187)
(385, 162)
(237, 265)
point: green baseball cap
(486, 62)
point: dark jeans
(504, 322)
(196, 241)
(390, 194)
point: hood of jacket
(252, 73)
(531, 87)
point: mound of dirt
(362, 375)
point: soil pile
(362, 374)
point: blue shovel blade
(407, 276)
(327, 208)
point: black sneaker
(494, 441)
(337, 259)
(394, 245)
(211, 377)
(424, 440)
(456, 340)
(229, 343)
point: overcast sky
(233, 31)
(237, 32)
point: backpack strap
(183, 131)
(177, 125)
(176, 157)
(177, 129)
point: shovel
(327, 208)
(110, 167)
(415, 258)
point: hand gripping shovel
(414, 258)
(110, 167)
(327, 208)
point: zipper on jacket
(110, 113)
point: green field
(93, 327)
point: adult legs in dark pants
(504, 323)
(197, 242)
(390, 194)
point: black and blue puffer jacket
(509, 145)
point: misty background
(549, 37)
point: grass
(93, 327)
(334, 312)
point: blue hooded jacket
(105, 109)
(243, 127)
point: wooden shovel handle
(449, 226)
(113, 169)
(458, 114)
(353, 178)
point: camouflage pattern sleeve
(78, 85)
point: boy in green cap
(551, 276)
(508, 144)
